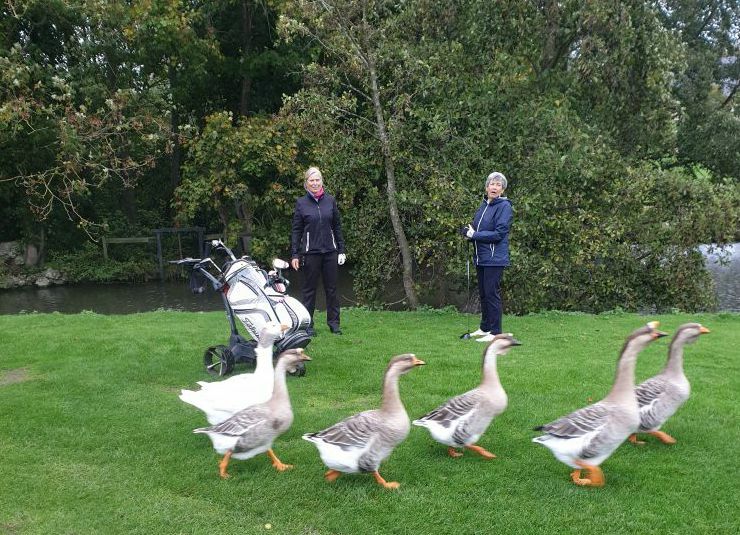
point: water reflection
(108, 298)
(176, 295)
(132, 298)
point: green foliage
(571, 104)
(616, 124)
(88, 265)
(250, 164)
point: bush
(88, 265)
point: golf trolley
(255, 297)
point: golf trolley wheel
(218, 360)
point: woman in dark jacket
(489, 232)
(317, 246)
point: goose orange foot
(595, 477)
(332, 475)
(223, 465)
(481, 451)
(633, 438)
(665, 438)
(452, 452)
(387, 484)
(279, 466)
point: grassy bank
(93, 438)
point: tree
(66, 132)
(359, 66)
(707, 85)
(240, 171)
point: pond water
(134, 297)
(176, 295)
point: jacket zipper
(477, 229)
(308, 239)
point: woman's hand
(341, 258)
(296, 263)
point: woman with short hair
(317, 246)
(489, 233)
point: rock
(9, 250)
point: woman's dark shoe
(336, 330)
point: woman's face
(494, 190)
(314, 183)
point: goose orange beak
(704, 330)
(418, 362)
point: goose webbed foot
(223, 464)
(665, 438)
(452, 452)
(332, 475)
(279, 466)
(387, 484)
(595, 477)
(481, 451)
(633, 438)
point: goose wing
(651, 397)
(453, 409)
(579, 423)
(245, 421)
(354, 432)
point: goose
(252, 431)
(460, 422)
(219, 400)
(587, 437)
(663, 394)
(362, 441)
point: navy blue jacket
(316, 228)
(491, 238)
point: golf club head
(465, 336)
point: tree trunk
(244, 215)
(390, 174)
(175, 136)
(223, 216)
(246, 84)
(550, 46)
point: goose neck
(280, 387)
(391, 396)
(264, 359)
(490, 380)
(624, 380)
(674, 364)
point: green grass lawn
(93, 438)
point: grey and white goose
(663, 394)
(252, 431)
(362, 441)
(587, 437)
(462, 420)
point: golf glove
(341, 258)
(470, 232)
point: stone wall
(15, 271)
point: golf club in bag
(255, 297)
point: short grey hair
(496, 177)
(313, 171)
